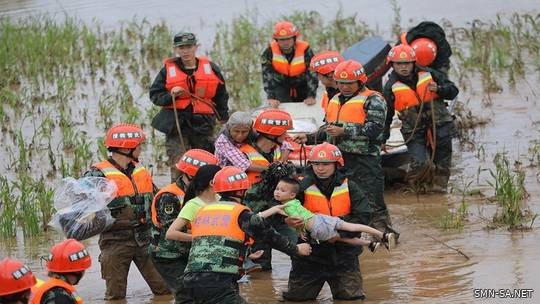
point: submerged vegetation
(510, 194)
(63, 83)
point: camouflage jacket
(446, 90)
(168, 207)
(358, 138)
(203, 257)
(306, 84)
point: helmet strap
(130, 154)
(271, 138)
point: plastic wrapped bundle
(81, 206)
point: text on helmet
(124, 135)
(19, 273)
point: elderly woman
(236, 132)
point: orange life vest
(297, 66)
(338, 205)
(172, 188)
(351, 111)
(324, 100)
(42, 287)
(140, 181)
(219, 219)
(206, 84)
(256, 158)
(405, 97)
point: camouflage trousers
(305, 283)
(368, 174)
(172, 272)
(115, 259)
(266, 259)
(421, 152)
(191, 141)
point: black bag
(433, 31)
(371, 53)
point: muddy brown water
(421, 269)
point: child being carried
(322, 227)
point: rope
(431, 140)
(182, 145)
(208, 103)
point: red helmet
(15, 277)
(284, 30)
(350, 71)
(231, 179)
(68, 256)
(193, 159)
(401, 53)
(326, 153)
(325, 62)
(425, 49)
(273, 122)
(123, 135)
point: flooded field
(430, 265)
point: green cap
(184, 39)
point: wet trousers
(191, 140)
(421, 152)
(115, 259)
(305, 282)
(226, 294)
(172, 272)
(367, 172)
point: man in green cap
(200, 96)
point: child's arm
(271, 211)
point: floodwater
(421, 269)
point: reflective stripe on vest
(338, 205)
(41, 288)
(405, 97)
(257, 158)
(140, 181)
(206, 84)
(172, 188)
(324, 100)
(297, 66)
(351, 111)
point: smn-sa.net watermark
(503, 293)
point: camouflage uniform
(197, 129)
(208, 280)
(169, 257)
(336, 263)
(276, 221)
(361, 149)
(126, 241)
(278, 86)
(445, 129)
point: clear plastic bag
(81, 206)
